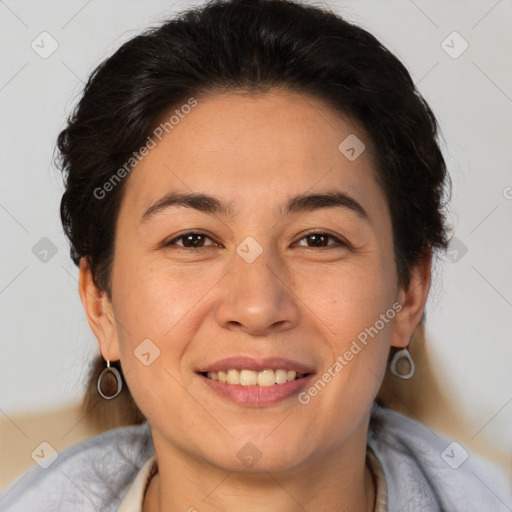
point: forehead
(244, 146)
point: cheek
(355, 307)
(158, 311)
(152, 300)
(349, 297)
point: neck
(339, 480)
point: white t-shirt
(132, 502)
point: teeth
(248, 378)
(280, 376)
(252, 378)
(266, 378)
(233, 377)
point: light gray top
(424, 472)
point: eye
(197, 240)
(190, 240)
(321, 240)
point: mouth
(251, 382)
(264, 378)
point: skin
(306, 305)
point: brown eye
(320, 240)
(191, 240)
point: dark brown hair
(251, 45)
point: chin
(261, 456)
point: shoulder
(91, 475)
(426, 471)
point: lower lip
(256, 395)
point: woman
(254, 195)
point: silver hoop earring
(400, 355)
(119, 381)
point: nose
(258, 297)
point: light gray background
(46, 342)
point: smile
(262, 378)
(255, 382)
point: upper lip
(257, 365)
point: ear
(413, 300)
(100, 315)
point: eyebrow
(213, 206)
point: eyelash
(338, 241)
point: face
(258, 276)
